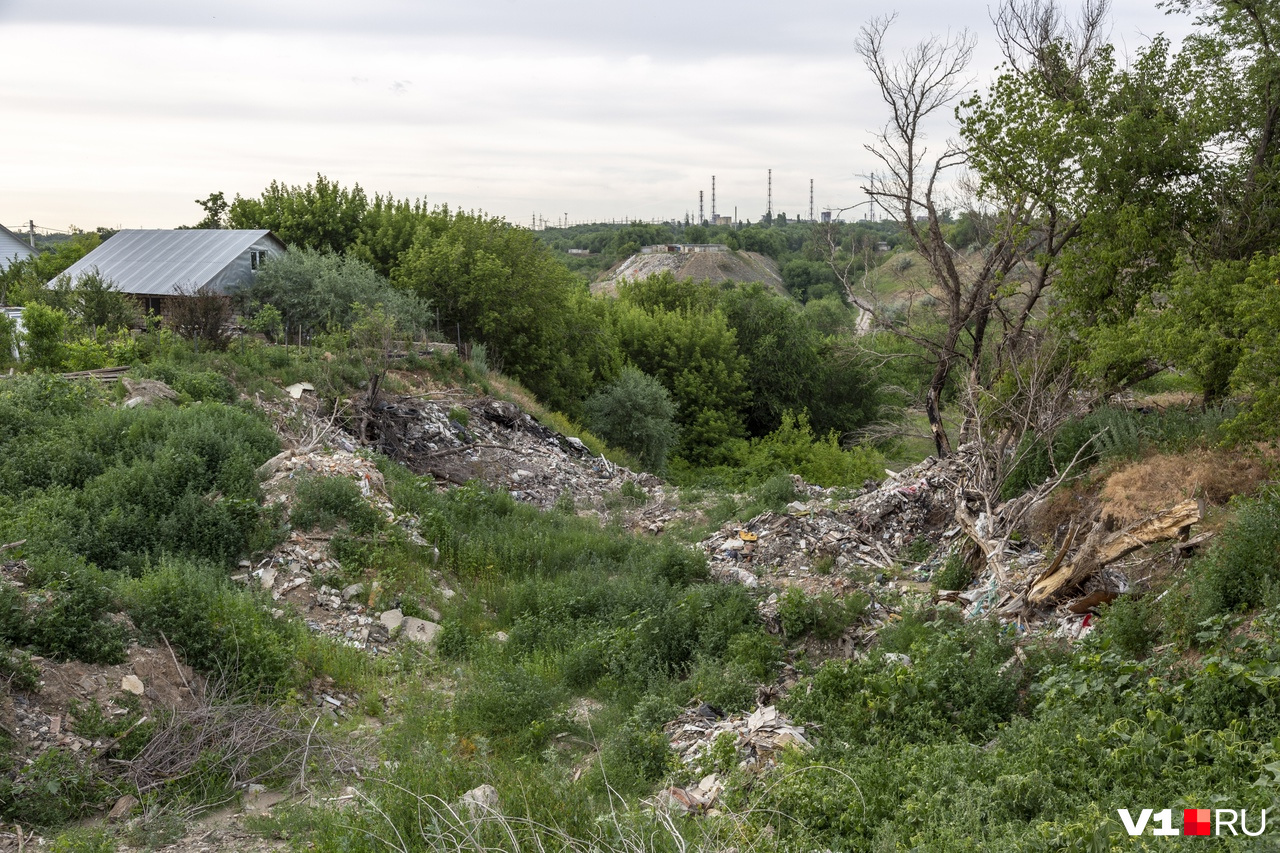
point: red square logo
(1195, 821)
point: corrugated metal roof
(12, 246)
(155, 262)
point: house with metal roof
(155, 265)
(12, 248)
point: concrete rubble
(480, 800)
(494, 441)
(294, 575)
(144, 392)
(757, 739)
(296, 572)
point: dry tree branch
(245, 742)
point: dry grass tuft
(1140, 488)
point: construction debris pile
(828, 545)
(816, 543)
(756, 738)
(45, 718)
(359, 615)
(298, 571)
(497, 443)
(277, 471)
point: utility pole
(31, 232)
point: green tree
(92, 302)
(807, 279)
(323, 215)
(43, 344)
(498, 285)
(695, 357)
(25, 279)
(215, 211)
(316, 290)
(635, 413)
(387, 230)
(791, 366)
(1222, 324)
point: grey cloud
(661, 27)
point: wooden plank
(1101, 549)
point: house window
(257, 258)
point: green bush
(758, 654)
(1243, 567)
(729, 687)
(823, 616)
(117, 486)
(636, 413)
(323, 502)
(8, 341)
(42, 344)
(58, 786)
(794, 449)
(633, 758)
(217, 628)
(318, 290)
(66, 616)
(17, 669)
(201, 385)
(953, 684)
(510, 705)
(1128, 623)
(955, 573)
(918, 549)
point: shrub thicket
(65, 616)
(200, 385)
(1243, 569)
(117, 486)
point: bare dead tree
(1038, 39)
(910, 188)
(1035, 399)
(989, 298)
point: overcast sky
(121, 114)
